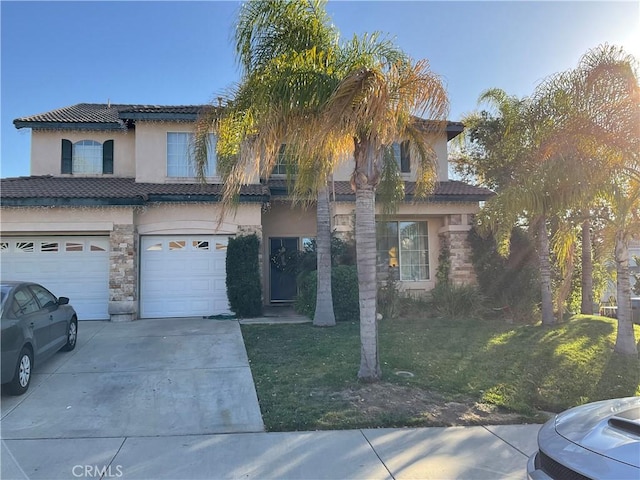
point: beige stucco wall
(345, 167)
(151, 153)
(60, 220)
(46, 150)
(166, 219)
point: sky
(55, 54)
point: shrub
(243, 276)
(511, 281)
(457, 301)
(389, 295)
(344, 285)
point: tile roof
(49, 190)
(115, 116)
(451, 190)
(85, 115)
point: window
(45, 298)
(200, 245)
(24, 247)
(404, 245)
(401, 155)
(74, 247)
(181, 155)
(87, 157)
(24, 303)
(177, 245)
(48, 247)
(284, 164)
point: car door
(58, 318)
(27, 309)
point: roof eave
(159, 116)
(119, 201)
(36, 125)
(454, 129)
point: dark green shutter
(107, 157)
(67, 156)
(405, 159)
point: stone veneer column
(454, 234)
(123, 274)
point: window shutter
(67, 156)
(405, 159)
(107, 157)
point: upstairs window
(181, 155)
(87, 157)
(284, 163)
(401, 155)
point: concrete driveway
(140, 379)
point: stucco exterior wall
(185, 219)
(46, 150)
(345, 168)
(61, 220)
(151, 153)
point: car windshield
(4, 294)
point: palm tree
(323, 100)
(506, 157)
(279, 46)
(624, 224)
(375, 104)
(593, 113)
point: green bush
(457, 301)
(344, 285)
(243, 276)
(508, 283)
(389, 295)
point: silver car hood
(610, 428)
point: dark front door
(283, 277)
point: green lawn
(306, 377)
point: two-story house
(113, 216)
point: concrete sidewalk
(492, 452)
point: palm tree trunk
(545, 272)
(625, 339)
(364, 180)
(586, 307)
(565, 287)
(324, 315)
(367, 287)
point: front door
(283, 275)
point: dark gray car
(35, 325)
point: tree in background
(556, 152)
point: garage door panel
(74, 267)
(182, 276)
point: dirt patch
(423, 406)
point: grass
(306, 377)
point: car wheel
(72, 335)
(22, 376)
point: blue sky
(56, 54)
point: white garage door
(74, 267)
(183, 276)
